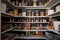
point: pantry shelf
(53, 3)
(32, 7)
(55, 14)
(33, 16)
(31, 37)
(6, 15)
(43, 30)
(7, 30)
(27, 22)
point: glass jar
(32, 13)
(37, 14)
(29, 13)
(41, 13)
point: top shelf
(10, 5)
(49, 5)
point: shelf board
(6, 14)
(43, 30)
(30, 37)
(28, 22)
(53, 3)
(34, 16)
(54, 31)
(10, 15)
(32, 7)
(55, 14)
(7, 30)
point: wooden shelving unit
(13, 29)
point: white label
(23, 13)
(50, 12)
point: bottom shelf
(31, 37)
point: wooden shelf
(50, 4)
(33, 16)
(43, 30)
(7, 30)
(6, 14)
(10, 15)
(29, 37)
(31, 7)
(28, 22)
(55, 14)
(53, 3)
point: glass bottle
(32, 13)
(37, 32)
(41, 13)
(20, 4)
(15, 12)
(35, 4)
(41, 27)
(26, 3)
(46, 13)
(41, 20)
(23, 4)
(13, 2)
(23, 13)
(40, 4)
(29, 13)
(44, 20)
(27, 19)
(19, 26)
(11, 12)
(37, 14)
(17, 3)
(29, 3)
(36, 19)
(11, 26)
(11, 20)
(31, 19)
